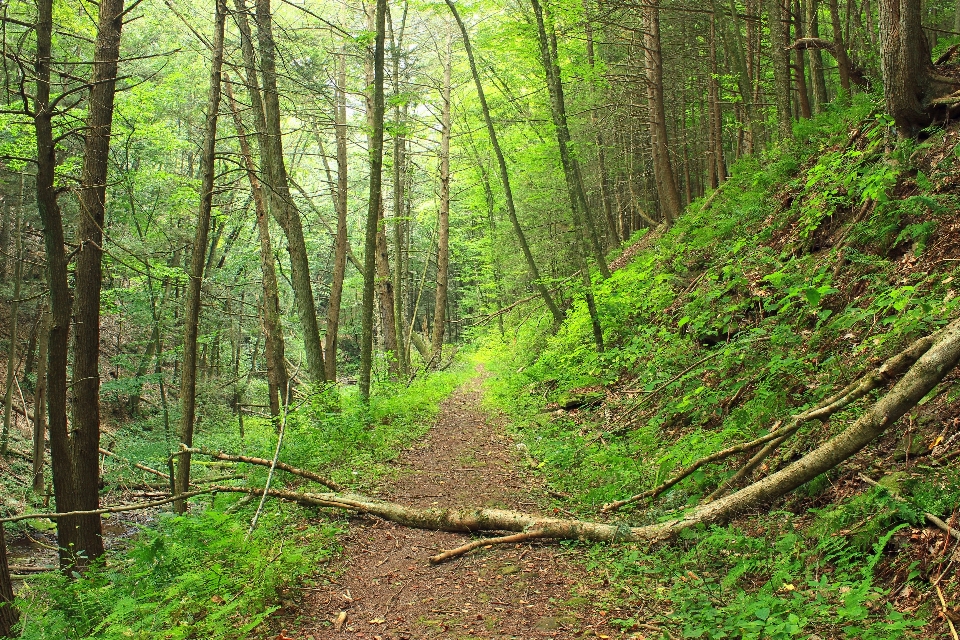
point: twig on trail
(135, 464)
(303, 473)
(484, 542)
(115, 509)
(932, 519)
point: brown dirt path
(389, 591)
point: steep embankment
(807, 270)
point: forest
(480, 319)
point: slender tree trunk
(799, 66)
(191, 314)
(582, 218)
(400, 221)
(9, 616)
(281, 204)
(843, 60)
(662, 165)
(340, 244)
(40, 407)
(277, 378)
(443, 222)
(780, 59)
(532, 268)
(14, 328)
(818, 83)
(606, 197)
(373, 205)
(716, 113)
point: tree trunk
(716, 110)
(191, 314)
(582, 218)
(9, 616)
(85, 439)
(373, 205)
(277, 378)
(532, 268)
(905, 62)
(443, 221)
(799, 67)
(40, 406)
(662, 166)
(817, 81)
(281, 204)
(606, 197)
(843, 60)
(340, 244)
(780, 59)
(14, 328)
(400, 221)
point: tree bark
(281, 204)
(443, 221)
(532, 268)
(191, 314)
(40, 406)
(716, 110)
(905, 63)
(277, 377)
(606, 197)
(840, 52)
(340, 243)
(799, 65)
(373, 205)
(9, 616)
(14, 328)
(85, 438)
(400, 220)
(780, 59)
(667, 191)
(61, 461)
(817, 81)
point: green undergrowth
(815, 262)
(202, 575)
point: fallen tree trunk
(931, 357)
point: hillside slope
(809, 268)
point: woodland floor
(386, 586)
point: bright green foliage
(733, 319)
(189, 577)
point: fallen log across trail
(925, 362)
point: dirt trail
(386, 586)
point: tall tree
(373, 204)
(905, 62)
(667, 191)
(532, 268)
(583, 220)
(277, 377)
(443, 221)
(281, 204)
(780, 59)
(340, 243)
(89, 274)
(61, 460)
(191, 313)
